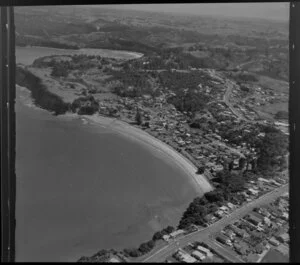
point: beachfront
(156, 145)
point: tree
(169, 229)
(214, 196)
(158, 235)
(138, 118)
(230, 165)
(242, 163)
(132, 252)
(201, 170)
(59, 71)
(146, 247)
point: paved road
(202, 235)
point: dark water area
(81, 187)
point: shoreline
(89, 51)
(201, 183)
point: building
(198, 255)
(230, 205)
(113, 260)
(241, 247)
(285, 216)
(255, 218)
(274, 242)
(263, 180)
(205, 251)
(177, 233)
(253, 191)
(219, 213)
(239, 232)
(283, 238)
(184, 257)
(223, 239)
(166, 237)
(267, 221)
(275, 182)
(224, 209)
(230, 234)
(209, 218)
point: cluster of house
(235, 235)
(261, 186)
(175, 234)
(196, 253)
(220, 213)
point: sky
(274, 11)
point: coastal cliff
(41, 96)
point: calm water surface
(81, 188)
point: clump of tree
(159, 235)
(149, 245)
(189, 101)
(138, 117)
(141, 250)
(272, 150)
(245, 77)
(59, 71)
(229, 184)
(85, 105)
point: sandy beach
(136, 134)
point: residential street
(204, 234)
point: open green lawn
(275, 256)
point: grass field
(275, 256)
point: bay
(81, 187)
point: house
(177, 233)
(198, 255)
(239, 232)
(267, 221)
(217, 168)
(241, 247)
(253, 192)
(283, 238)
(230, 205)
(275, 182)
(224, 209)
(263, 180)
(264, 212)
(113, 260)
(274, 242)
(285, 216)
(184, 257)
(204, 251)
(166, 237)
(219, 213)
(254, 219)
(224, 239)
(230, 234)
(209, 218)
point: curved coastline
(90, 51)
(200, 181)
